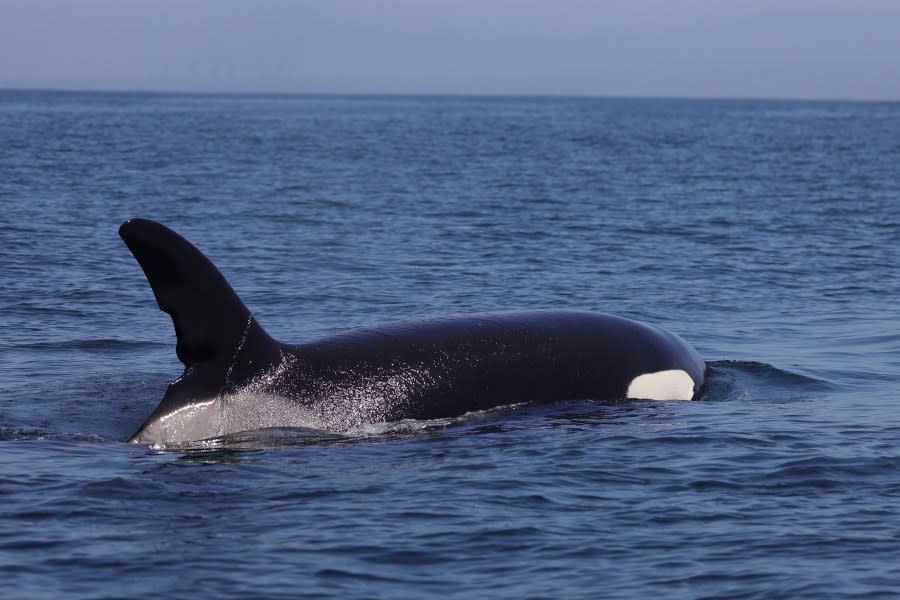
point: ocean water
(765, 233)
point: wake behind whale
(238, 378)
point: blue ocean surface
(765, 233)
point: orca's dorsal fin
(208, 316)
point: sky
(819, 49)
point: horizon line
(397, 94)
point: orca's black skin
(237, 377)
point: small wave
(260, 439)
(743, 379)
(14, 434)
(90, 344)
(398, 429)
(769, 372)
(302, 188)
(17, 434)
(827, 471)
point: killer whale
(238, 378)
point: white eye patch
(673, 384)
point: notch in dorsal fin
(208, 316)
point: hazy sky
(707, 48)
